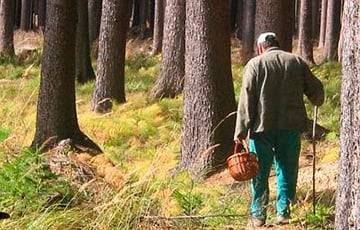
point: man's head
(265, 41)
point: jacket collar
(272, 49)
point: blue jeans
(283, 148)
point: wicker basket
(242, 164)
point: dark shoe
(4, 215)
(256, 223)
(282, 220)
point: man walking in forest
(272, 113)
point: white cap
(262, 37)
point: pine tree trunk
(159, 26)
(143, 15)
(94, 19)
(171, 80)
(84, 70)
(17, 15)
(332, 30)
(305, 38)
(315, 8)
(56, 112)
(135, 18)
(239, 18)
(151, 16)
(208, 89)
(110, 81)
(277, 16)
(7, 28)
(25, 23)
(248, 27)
(348, 193)
(42, 14)
(323, 23)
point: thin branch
(195, 217)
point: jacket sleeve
(313, 88)
(247, 103)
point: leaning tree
(171, 80)
(348, 192)
(110, 81)
(7, 28)
(207, 131)
(56, 110)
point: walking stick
(314, 157)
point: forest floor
(131, 186)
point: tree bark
(143, 16)
(7, 28)
(323, 23)
(208, 89)
(248, 27)
(110, 81)
(332, 30)
(84, 70)
(239, 18)
(315, 8)
(94, 19)
(25, 23)
(135, 18)
(348, 193)
(277, 16)
(305, 36)
(42, 14)
(56, 112)
(171, 80)
(159, 26)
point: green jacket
(272, 93)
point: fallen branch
(195, 217)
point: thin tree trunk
(348, 192)
(323, 23)
(277, 16)
(248, 28)
(159, 26)
(239, 18)
(84, 70)
(7, 28)
(332, 30)
(143, 15)
(25, 23)
(17, 14)
(171, 80)
(42, 14)
(208, 89)
(315, 8)
(305, 38)
(135, 18)
(110, 81)
(56, 112)
(94, 19)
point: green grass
(142, 138)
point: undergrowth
(142, 138)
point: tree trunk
(56, 112)
(151, 16)
(7, 28)
(315, 8)
(84, 70)
(159, 26)
(233, 14)
(277, 16)
(171, 80)
(143, 15)
(25, 23)
(42, 14)
(348, 193)
(248, 29)
(17, 15)
(110, 81)
(305, 38)
(94, 19)
(208, 89)
(332, 30)
(239, 18)
(323, 23)
(135, 18)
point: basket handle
(241, 145)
